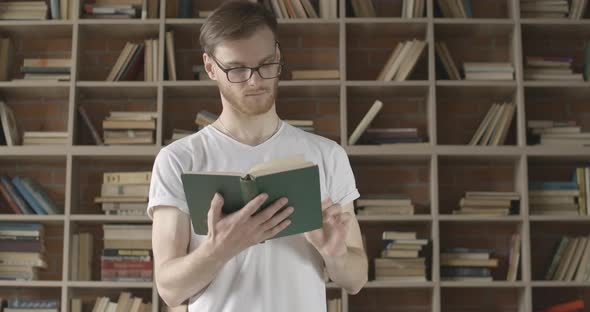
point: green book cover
(292, 177)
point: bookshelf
(434, 175)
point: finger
(331, 211)
(252, 206)
(277, 229)
(214, 214)
(276, 219)
(270, 211)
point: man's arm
(349, 271)
(179, 275)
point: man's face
(255, 96)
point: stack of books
(400, 259)
(315, 74)
(362, 8)
(126, 302)
(571, 260)
(45, 138)
(26, 196)
(109, 10)
(129, 128)
(549, 132)
(562, 197)
(128, 63)
(445, 58)
(488, 71)
(22, 249)
(381, 136)
(32, 305)
(413, 8)
(493, 129)
(205, 118)
(544, 8)
(384, 205)
(26, 10)
(127, 253)
(488, 204)
(455, 9)
(124, 193)
(550, 68)
(467, 264)
(303, 124)
(576, 305)
(402, 60)
(335, 305)
(46, 69)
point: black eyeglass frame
(252, 69)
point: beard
(252, 105)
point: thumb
(214, 214)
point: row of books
(467, 264)
(127, 255)
(551, 68)
(29, 305)
(562, 197)
(402, 60)
(573, 9)
(22, 249)
(556, 132)
(129, 127)
(571, 260)
(383, 205)
(124, 193)
(132, 57)
(24, 195)
(400, 258)
(56, 69)
(125, 302)
(455, 8)
(493, 129)
(303, 8)
(126, 9)
(488, 204)
(488, 71)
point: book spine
(248, 188)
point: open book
(292, 177)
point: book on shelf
(22, 250)
(25, 196)
(365, 122)
(488, 71)
(411, 8)
(571, 260)
(121, 9)
(494, 128)
(303, 124)
(334, 305)
(445, 58)
(513, 257)
(82, 256)
(32, 305)
(90, 125)
(549, 132)
(455, 8)
(238, 189)
(46, 69)
(29, 10)
(575, 305)
(400, 258)
(467, 264)
(125, 302)
(561, 197)
(545, 9)
(124, 193)
(384, 205)
(382, 136)
(311, 74)
(488, 204)
(9, 125)
(122, 127)
(550, 68)
(45, 138)
(170, 57)
(127, 253)
(402, 60)
(129, 63)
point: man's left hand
(330, 240)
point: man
(229, 269)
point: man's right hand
(230, 234)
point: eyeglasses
(244, 73)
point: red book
(569, 306)
(11, 203)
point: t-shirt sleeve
(340, 178)
(166, 185)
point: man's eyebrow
(235, 63)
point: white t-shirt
(283, 274)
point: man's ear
(208, 63)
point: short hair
(234, 20)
